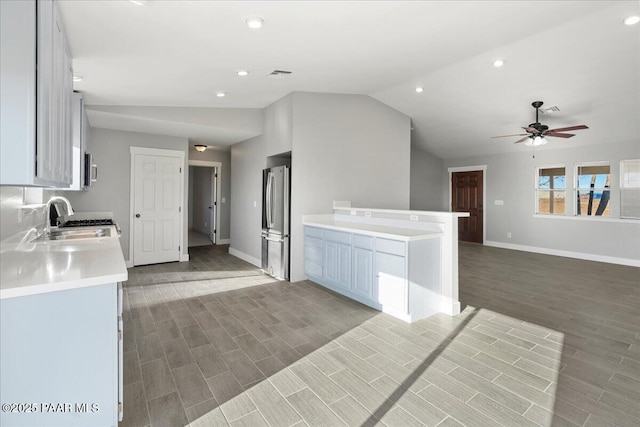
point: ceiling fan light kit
(537, 132)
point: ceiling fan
(537, 132)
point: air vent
(278, 74)
(550, 110)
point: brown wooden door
(466, 196)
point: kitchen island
(404, 263)
(61, 331)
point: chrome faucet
(47, 211)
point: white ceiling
(577, 55)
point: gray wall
(224, 175)
(426, 181)
(201, 198)
(111, 193)
(190, 197)
(344, 147)
(510, 177)
(247, 162)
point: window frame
(537, 189)
(622, 187)
(576, 188)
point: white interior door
(157, 209)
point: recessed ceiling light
(242, 73)
(221, 94)
(632, 20)
(254, 22)
(498, 63)
(419, 89)
(77, 77)
(138, 2)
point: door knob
(137, 215)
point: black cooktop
(87, 222)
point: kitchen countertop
(36, 267)
(377, 230)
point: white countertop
(36, 267)
(376, 230)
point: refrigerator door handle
(272, 239)
(273, 179)
(268, 200)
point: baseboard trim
(223, 242)
(251, 260)
(184, 257)
(128, 263)
(568, 254)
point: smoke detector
(278, 74)
(550, 110)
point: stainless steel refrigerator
(275, 222)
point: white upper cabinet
(36, 87)
(79, 136)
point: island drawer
(364, 242)
(337, 236)
(395, 247)
(312, 231)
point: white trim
(184, 257)
(128, 263)
(589, 218)
(483, 168)
(156, 152)
(210, 164)
(568, 254)
(224, 242)
(248, 258)
(133, 151)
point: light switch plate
(255, 204)
(367, 214)
(413, 217)
(352, 212)
(224, 200)
(498, 202)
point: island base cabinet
(59, 358)
(401, 278)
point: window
(630, 188)
(592, 189)
(551, 190)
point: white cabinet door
(362, 272)
(330, 269)
(392, 283)
(156, 201)
(36, 91)
(344, 266)
(337, 264)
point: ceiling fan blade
(559, 135)
(505, 136)
(530, 129)
(579, 127)
(522, 139)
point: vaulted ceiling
(576, 55)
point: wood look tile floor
(542, 341)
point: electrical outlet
(353, 212)
(413, 217)
(367, 214)
(509, 235)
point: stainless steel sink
(77, 234)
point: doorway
(203, 215)
(156, 205)
(467, 195)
